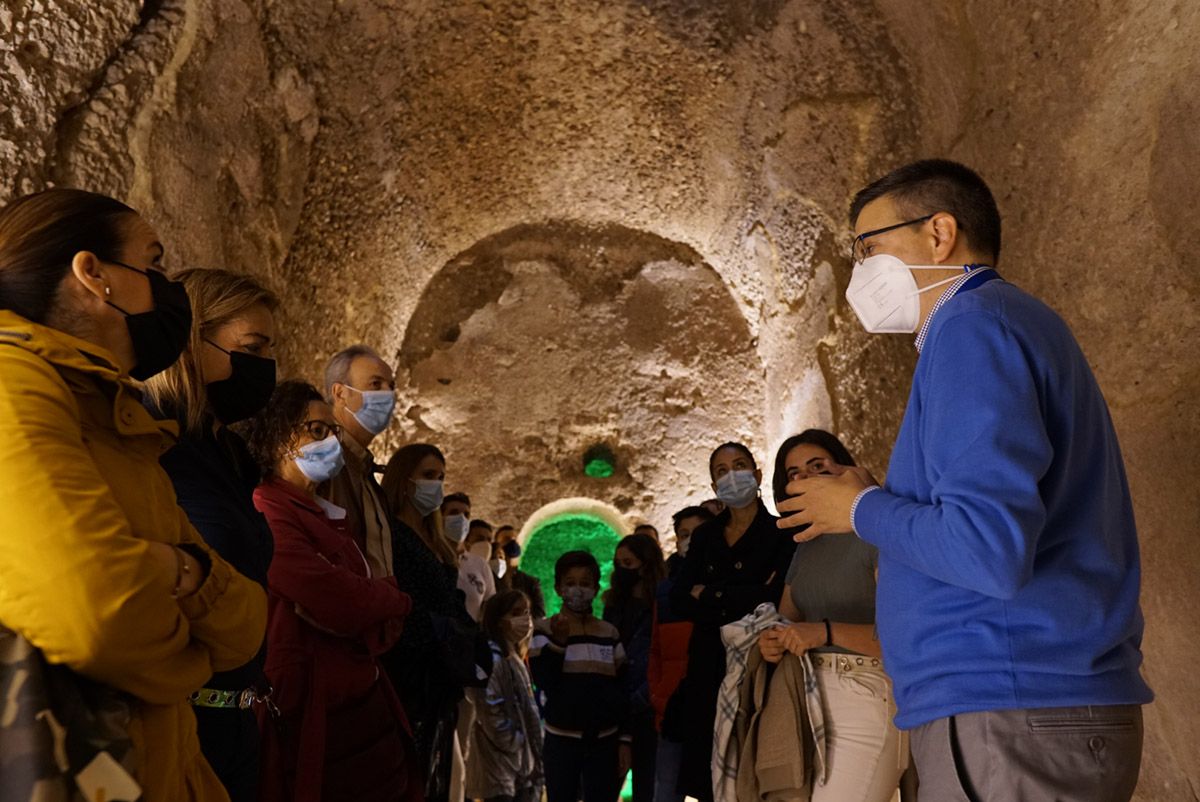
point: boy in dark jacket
(578, 662)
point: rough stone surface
(624, 222)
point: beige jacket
(773, 732)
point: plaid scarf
(740, 637)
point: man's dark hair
(691, 512)
(462, 498)
(813, 437)
(637, 529)
(479, 523)
(940, 185)
(576, 559)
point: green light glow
(598, 469)
(561, 534)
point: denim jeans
(666, 772)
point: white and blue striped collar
(949, 293)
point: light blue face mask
(427, 495)
(320, 461)
(737, 488)
(456, 527)
(376, 411)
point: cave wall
(354, 153)
(1084, 117)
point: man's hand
(696, 591)
(770, 645)
(823, 502)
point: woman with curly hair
(341, 732)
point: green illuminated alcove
(563, 532)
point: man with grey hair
(361, 388)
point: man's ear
(337, 392)
(945, 236)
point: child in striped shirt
(578, 662)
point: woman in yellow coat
(99, 568)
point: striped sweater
(582, 679)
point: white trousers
(865, 752)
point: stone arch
(544, 340)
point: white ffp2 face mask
(884, 294)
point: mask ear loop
(935, 284)
(966, 270)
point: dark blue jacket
(214, 478)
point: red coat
(668, 652)
(341, 732)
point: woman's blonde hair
(218, 296)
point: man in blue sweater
(1008, 558)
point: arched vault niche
(570, 524)
(544, 340)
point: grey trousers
(1055, 754)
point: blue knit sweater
(1008, 556)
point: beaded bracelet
(181, 568)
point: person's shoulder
(601, 628)
(273, 498)
(997, 303)
(714, 527)
(470, 563)
(25, 372)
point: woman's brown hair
(397, 489)
(39, 237)
(218, 296)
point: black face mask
(625, 578)
(246, 391)
(160, 335)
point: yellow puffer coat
(81, 495)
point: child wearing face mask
(579, 663)
(506, 737)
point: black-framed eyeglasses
(858, 248)
(319, 429)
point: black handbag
(62, 736)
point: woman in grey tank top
(830, 598)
